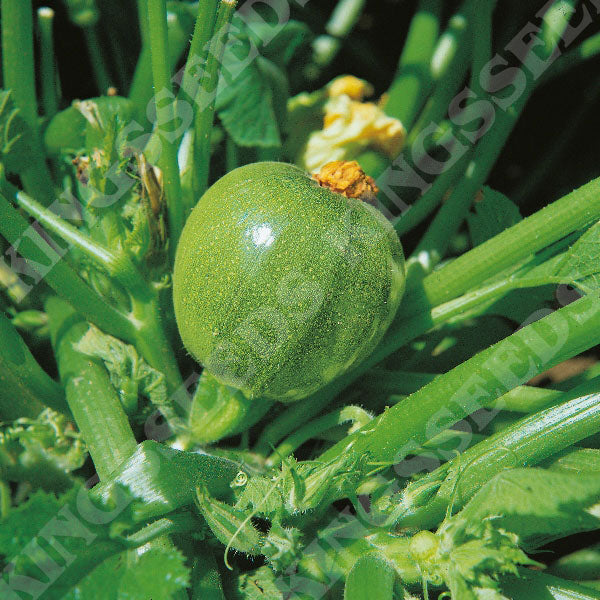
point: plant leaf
(54, 542)
(163, 479)
(158, 573)
(253, 89)
(259, 585)
(582, 261)
(42, 451)
(492, 215)
(15, 136)
(536, 504)
(370, 577)
(129, 372)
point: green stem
(430, 200)
(574, 211)
(142, 6)
(588, 49)
(141, 89)
(199, 48)
(149, 332)
(59, 275)
(118, 266)
(158, 35)
(206, 97)
(414, 79)
(478, 382)
(97, 59)
(528, 399)
(288, 420)
(17, 57)
(5, 499)
(448, 66)
(91, 396)
(325, 47)
(18, 71)
(152, 342)
(24, 386)
(526, 442)
(313, 429)
(49, 75)
(435, 242)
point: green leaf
(15, 136)
(253, 88)
(158, 573)
(52, 543)
(284, 42)
(282, 546)
(129, 373)
(163, 479)
(582, 261)
(259, 585)
(468, 562)
(370, 577)
(575, 460)
(530, 585)
(42, 451)
(85, 124)
(232, 527)
(492, 215)
(536, 504)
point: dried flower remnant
(347, 178)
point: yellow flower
(351, 126)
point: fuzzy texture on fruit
(281, 285)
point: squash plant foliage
(273, 326)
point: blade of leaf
(370, 577)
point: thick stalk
(477, 382)
(165, 105)
(435, 242)
(24, 386)
(91, 396)
(45, 262)
(527, 442)
(141, 90)
(206, 97)
(18, 71)
(574, 211)
(199, 47)
(103, 81)
(49, 75)
(414, 79)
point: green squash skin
(281, 285)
